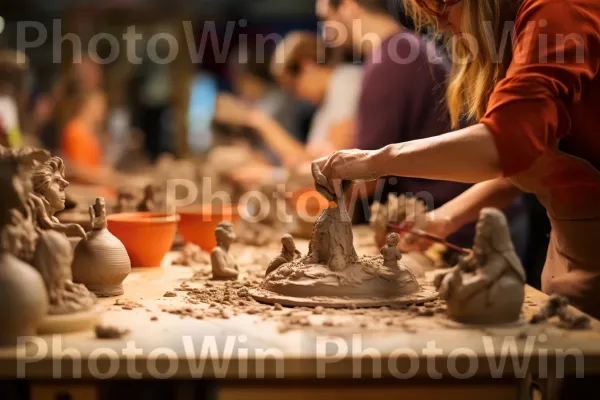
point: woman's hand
(331, 174)
(435, 223)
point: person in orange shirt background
(82, 143)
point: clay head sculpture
(288, 244)
(49, 183)
(393, 239)
(225, 234)
(493, 235)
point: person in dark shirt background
(404, 74)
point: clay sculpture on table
(288, 254)
(40, 189)
(101, 262)
(391, 257)
(224, 266)
(333, 275)
(487, 286)
(22, 290)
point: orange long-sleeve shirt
(80, 145)
(551, 92)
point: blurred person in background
(252, 83)
(402, 98)
(300, 65)
(14, 95)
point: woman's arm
(464, 209)
(277, 138)
(467, 155)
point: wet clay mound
(333, 275)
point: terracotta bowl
(198, 223)
(147, 236)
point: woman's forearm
(278, 139)
(468, 155)
(464, 209)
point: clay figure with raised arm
(288, 254)
(224, 266)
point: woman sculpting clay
(488, 286)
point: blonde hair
(477, 64)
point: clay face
(392, 240)
(49, 183)
(225, 234)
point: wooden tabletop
(183, 336)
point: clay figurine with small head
(224, 266)
(391, 254)
(288, 254)
(487, 286)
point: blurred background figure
(14, 95)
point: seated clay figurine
(487, 286)
(223, 264)
(288, 254)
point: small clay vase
(101, 261)
(23, 298)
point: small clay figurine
(391, 259)
(49, 197)
(101, 261)
(288, 254)
(224, 266)
(391, 254)
(487, 286)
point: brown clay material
(558, 306)
(332, 271)
(288, 254)
(101, 262)
(191, 255)
(224, 266)
(22, 290)
(53, 258)
(110, 332)
(488, 286)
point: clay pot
(101, 263)
(23, 297)
(198, 223)
(147, 236)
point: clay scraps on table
(558, 306)
(110, 332)
(192, 255)
(127, 304)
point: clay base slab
(428, 293)
(71, 322)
